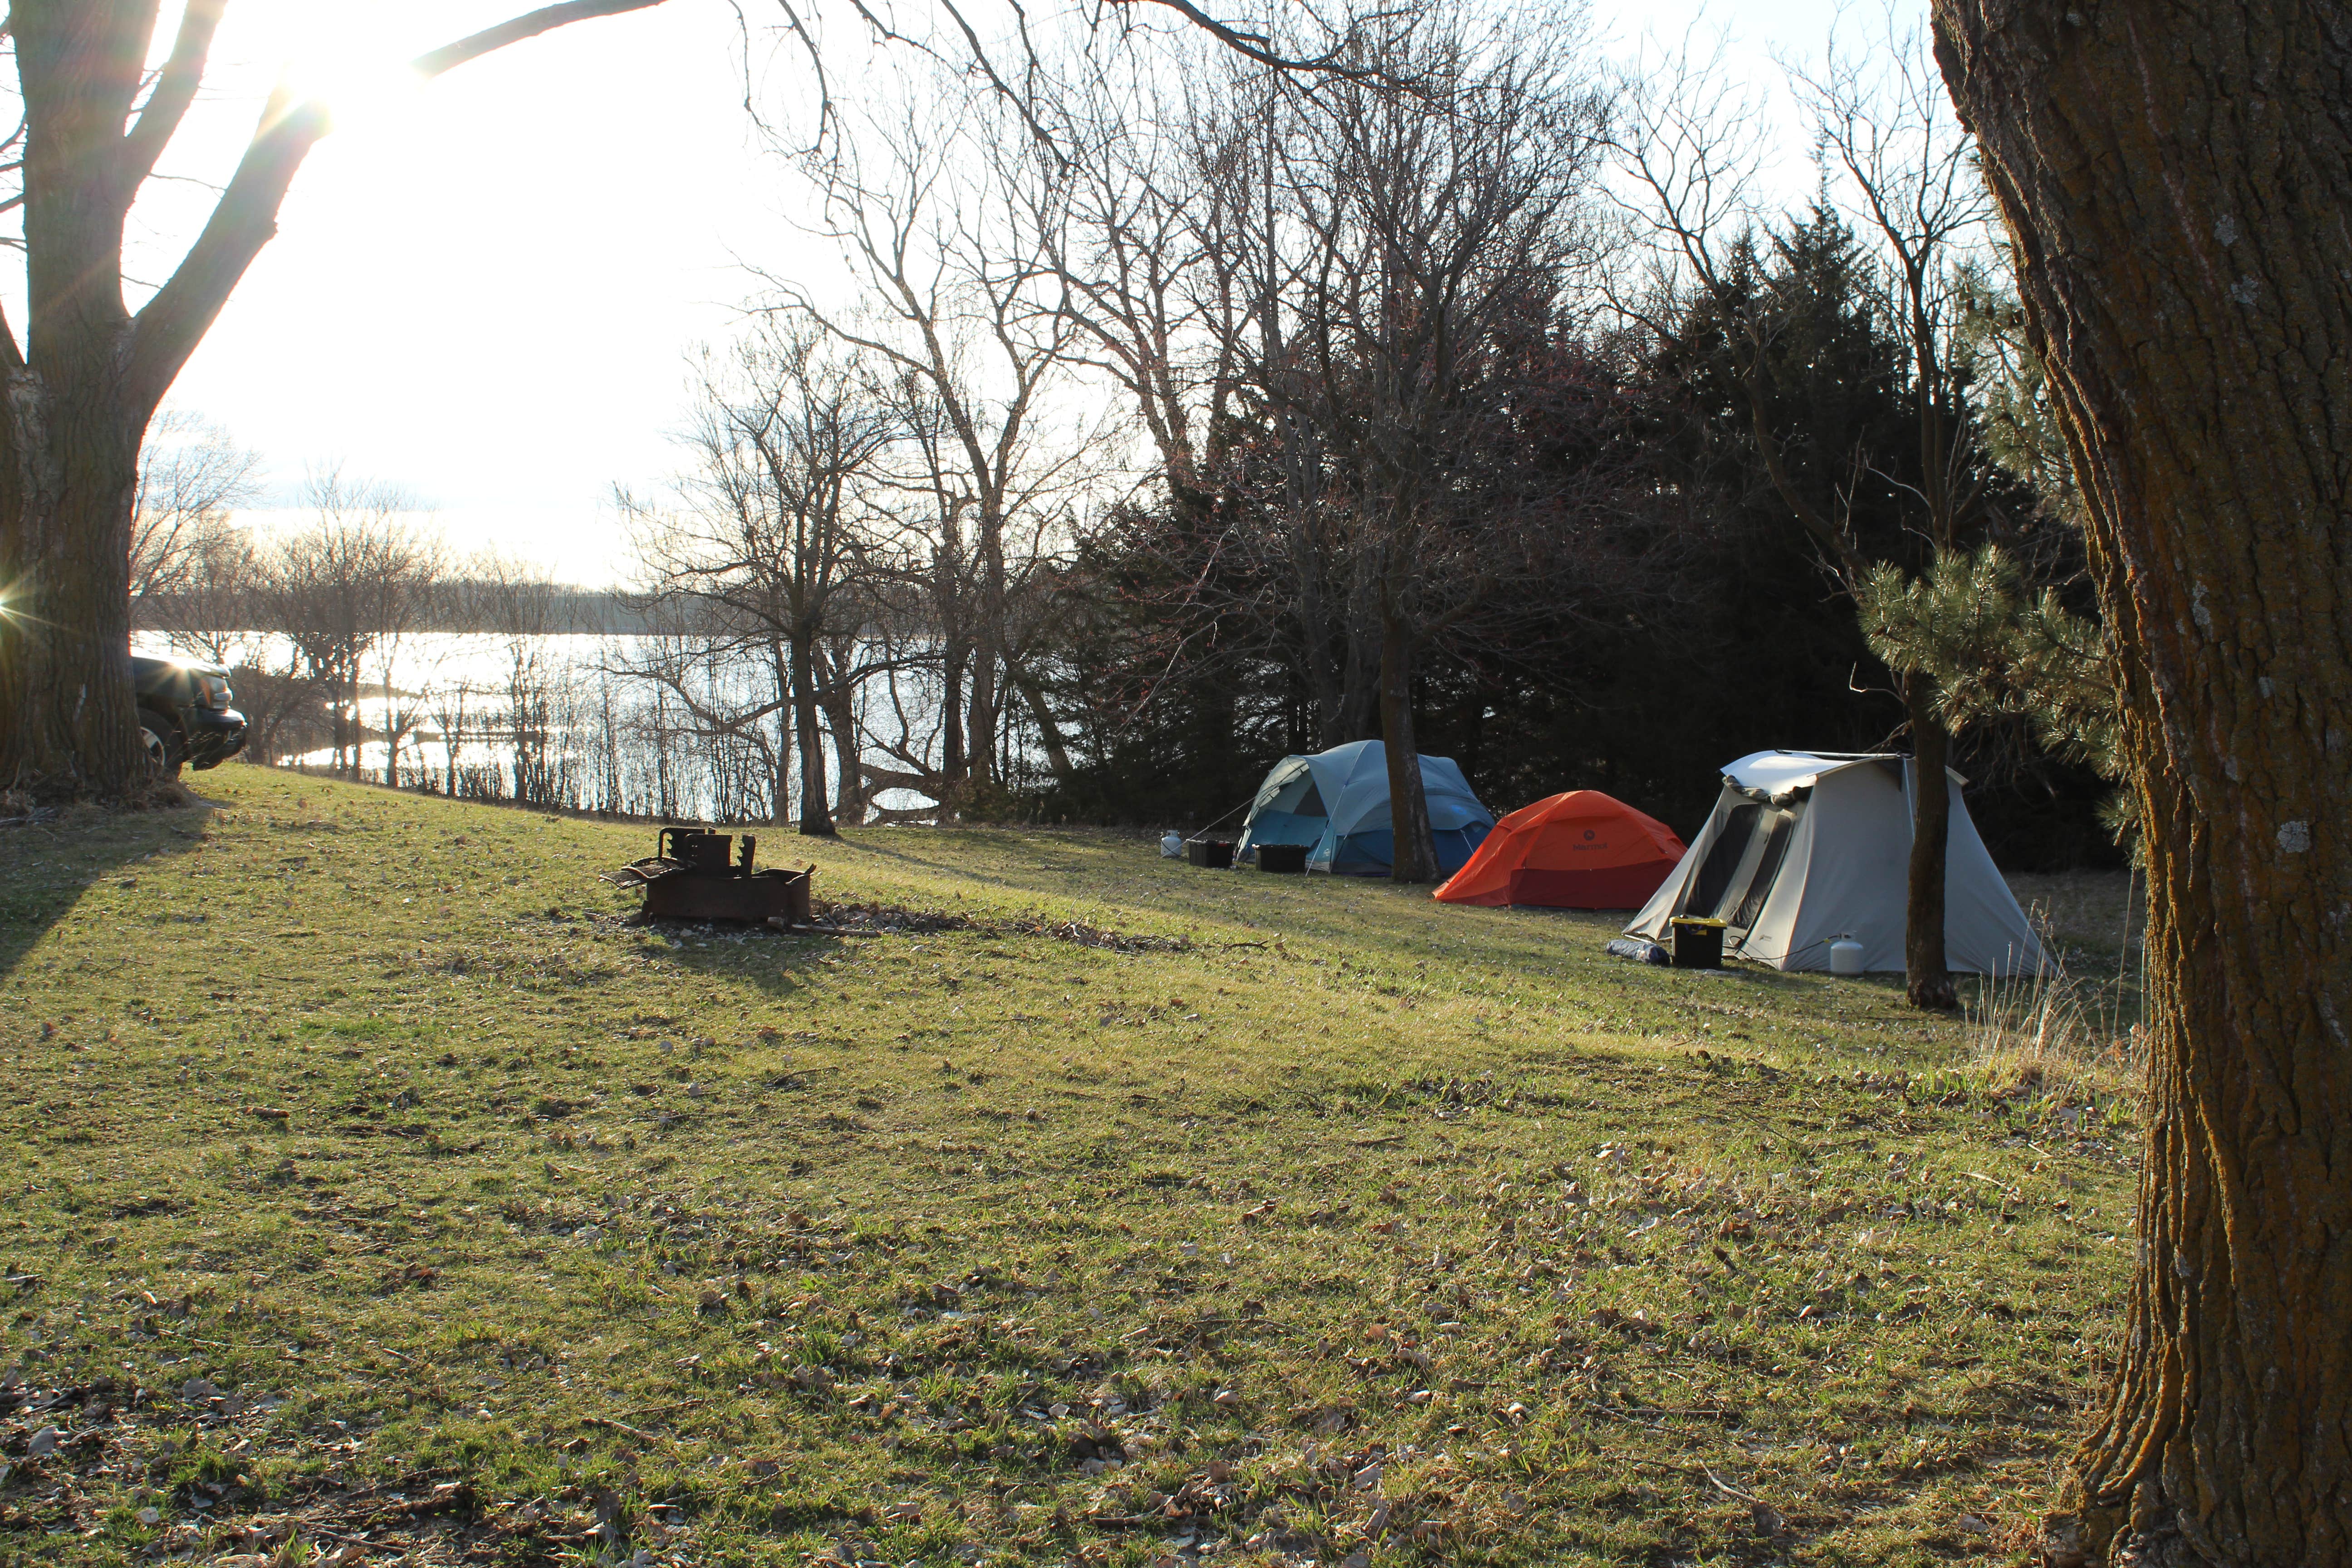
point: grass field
(374, 1193)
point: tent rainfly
(1336, 803)
(1805, 847)
(1580, 850)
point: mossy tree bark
(2177, 182)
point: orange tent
(1582, 850)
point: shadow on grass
(779, 965)
(45, 868)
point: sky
(484, 290)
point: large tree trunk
(953, 767)
(980, 723)
(840, 712)
(1315, 642)
(1415, 849)
(70, 431)
(67, 470)
(1049, 731)
(1363, 692)
(816, 817)
(2178, 184)
(988, 668)
(1926, 980)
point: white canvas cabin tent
(1804, 847)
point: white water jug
(1845, 956)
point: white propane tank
(1172, 846)
(1845, 956)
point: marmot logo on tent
(1588, 835)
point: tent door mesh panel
(1723, 858)
(1311, 803)
(1780, 828)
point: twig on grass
(641, 1437)
(665, 1409)
(1600, 1409)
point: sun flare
(358, 90)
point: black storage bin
(1696, 943)
(1213, 853)
(1283, 858)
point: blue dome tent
(1337, 802)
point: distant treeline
(464, 605)
(1255, 422)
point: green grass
(1359, 1228)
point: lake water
(597, 736)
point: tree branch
(1260, 47)
(528, 25)
(175, 90)
(174, 320)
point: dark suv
(184, 714)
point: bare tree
(960, 301)
(1442, 223)
(209, 610)
(719, 677)
(348, 592)
(787, 435)
(191, 476)
(1180, 257)
(1330, 307)
(516, 602)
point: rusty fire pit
(694, 874)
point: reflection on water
(569, 721)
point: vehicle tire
(162, 738)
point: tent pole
(1205, 827)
